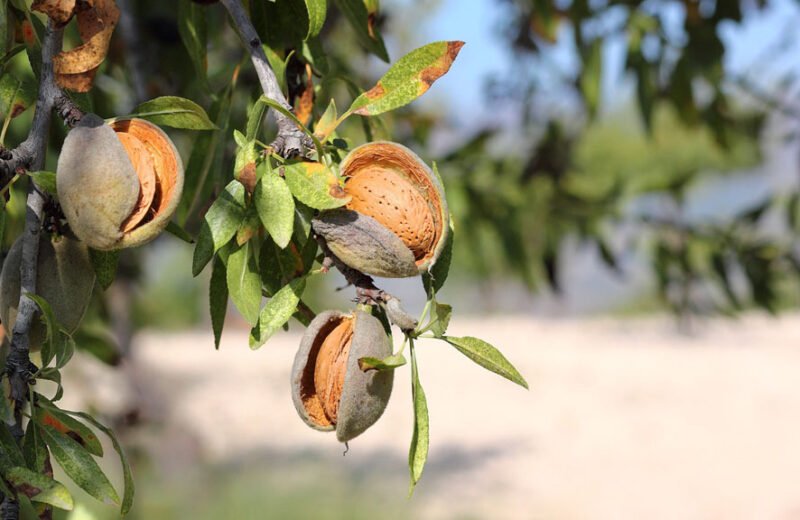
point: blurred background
(625, 187)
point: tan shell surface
(391, 184)
(65, 279)
(143, 165)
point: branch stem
(290, 140)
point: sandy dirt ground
(624, 418)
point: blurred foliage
(561, 167)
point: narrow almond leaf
(408, 79)
(275, 206)
(315, 185)
(177, 231)
(222, 220)
(39, 487)
(50, 322)
(363, 24)
(440, 316)
(10, 454)
(591, 79)
(488, 357)
(256, 112)
(34, 449)
(277, 312)
(218, 299)
(16, 95)
(129, 491)
(45, 181)
(244, 167)
(48, 414)
(418, 451)
(244, 282)
(192, 27)
(387, 363)
(174, 111)
(79, 465)
(317, 10)
(327, 123)
(105, 266)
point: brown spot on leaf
(337, 191)
(375, 92)
(247, 176)
(438, 69)
(27, 490)
(371, 19)
(28, 36)
(17, 109)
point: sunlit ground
(624, 419)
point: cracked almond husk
(118, 184)
(397, 220)
(329, 390)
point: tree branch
(290, 140)
(366, 290)
(18, 364)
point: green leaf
(39, 487)
(10, 454)
(367, 34)
(218, 299)
(277, 312)
(315, 185)
(45, 181)
(387, 363)
(51, 324)
(440, 316)
(435, 279)
(418, 451)
(256, 112)
(328, 123)
(80, 466)
(177, 231)
(222, 220)
(591, 79)
(193, 29)
(99, 341)
(105, 266)
(176, 112)
(408, 79)
(206, 157)
(487, 356)
(3, 27)
(275, 206)
(244, 167)
(16, 95)
(47, 414)
(316, 16)
(129, 489)
(34, 448)
(244, 282)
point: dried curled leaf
(60, 11)
(75, 69)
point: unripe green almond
(364, 244)
(363, 396)
(64, 278)
(118, 184)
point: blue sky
(477, 22)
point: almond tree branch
(290, 140)
(366, 290)
(18, 364)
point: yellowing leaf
(409, 78)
